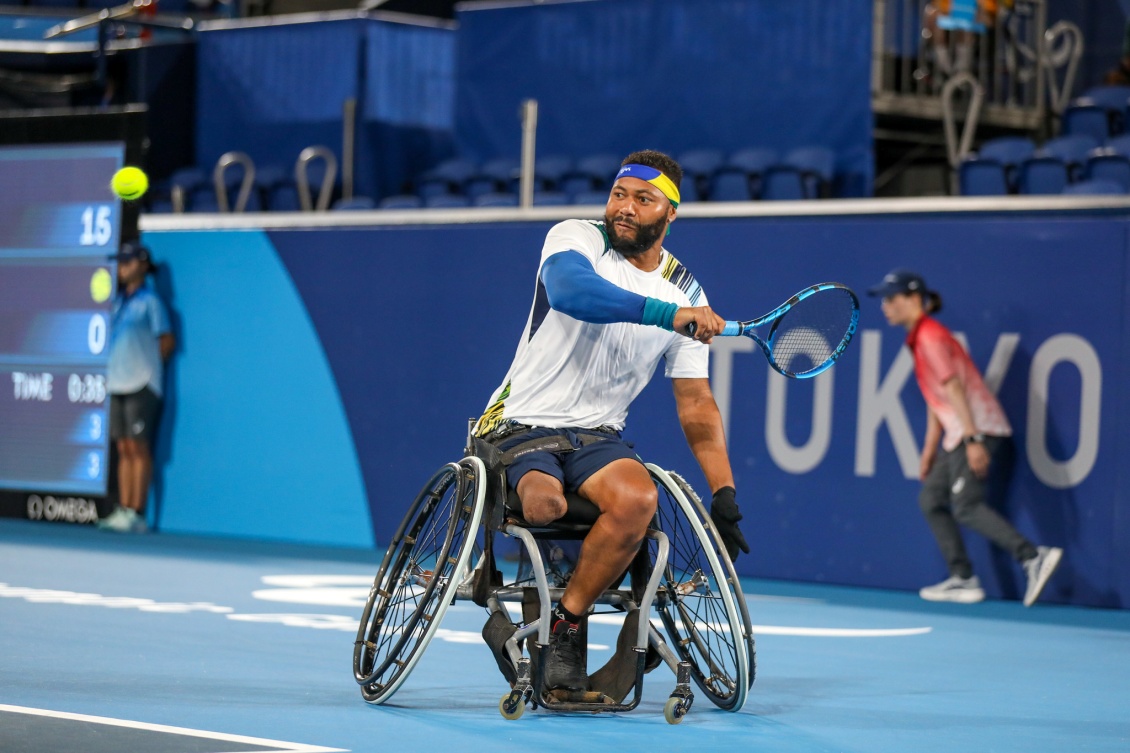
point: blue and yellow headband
(654, 177)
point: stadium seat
(499, 175)
(1009, 151)
(1106, 164)
(1095, 188)
(1042, 175)
(446, 201)
(731, 185)
(591, 198)
(275, 187)
(1084, 117)
(782, 183)
(1070, 150)
(496, 199)
(982, 177)
(698, 167)
(549, 171)
(594, 172)
(401, 201)
(817, 165)
(1114, 100)
(447, 177)
(550, 198)
(739, 178)
(1119, 144)
(356, 204)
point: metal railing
(918, 50)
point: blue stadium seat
(817, 165)
(1084, 117)
(1042, 175)
(1095, 188)
(446, 201)
(982, 177)
(496, 199)
(550, 198)
(599, 198)
(731, 185)
(499, 175)
(740, 176)
(447, 177)
(698, 168)
(275, 187)
(401, 201)
(782, 183)
(1119, 144)
(1113, 99)
(356, 204)
(1106, 164)
(1009, 151)
(594, 172)
(549, 171)
(1072, 150)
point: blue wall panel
(678, 75)
(253, 441)
(419, 324)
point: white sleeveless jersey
(569, 373)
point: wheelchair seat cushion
(579, 515)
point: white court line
(282, 747)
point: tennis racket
(808, 333)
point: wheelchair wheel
(700, 601)
(425, 563)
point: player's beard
(646, 236)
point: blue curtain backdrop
(677, 75)
(271, 91)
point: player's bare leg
(627, 498)
(127, 476)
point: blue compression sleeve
(574, 288)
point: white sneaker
(113, 520)
(1039, 570)
(960, 590)
(125, 520)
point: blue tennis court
(173, 644)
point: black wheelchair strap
(555, 443)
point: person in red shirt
(966, 420)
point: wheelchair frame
(428, 565)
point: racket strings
(812, 331)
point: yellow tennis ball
(130, 183)
(100, 285)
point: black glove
(725, 514)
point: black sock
(561, 613)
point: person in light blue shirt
(141, 340)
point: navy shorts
(572, 469)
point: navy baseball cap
(899, 281)
(131, 250)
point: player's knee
(633, 508)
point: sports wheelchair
(444, 550)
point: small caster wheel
(674, 710)
(512, 705)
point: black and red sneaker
(565, 659)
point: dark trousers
(951, 496)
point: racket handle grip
(732, 329)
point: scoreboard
(59, 228)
